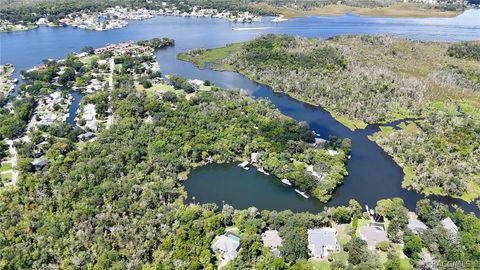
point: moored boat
(286, 182)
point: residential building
(321, 241)
(416, 226)
(448, 224)
(228, 244)
(373, 235)
(272, 239)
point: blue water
(372, 174)
(72, 109)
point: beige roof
(271, 238)
(373, 235)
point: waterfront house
(272, 239)
(318, 141)
(314, 173)
(227, 244)
(321, 241)
(332, 152)
(448, 224)
(254, 157)
(416, 226)
(373, 235)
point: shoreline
(393, 11)
(284, 14)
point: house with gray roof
(416, 226)
(448, 224)
(39, 163)
(321, 241)
(272, 239)
(227, 244)
(373, 235)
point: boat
(286, 182)
(349, 156)
(15, 80)
(263, 171)
(302, 193)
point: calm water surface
(372, 174)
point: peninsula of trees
(365, 80)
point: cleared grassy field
(208, 55)
(6, 167)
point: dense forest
(117, 203)
(439, 154)
(365, 79)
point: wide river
(372, 174)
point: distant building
(448, 224)
(322, 241)
(228, 244)
(416, 226)
(373, 235)
(272, 239)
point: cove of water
(372, 174)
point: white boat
(349, 156)
(246, 168)
(263, 171)
(286, 182)
(302, 193)
(15, 80)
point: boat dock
(302, 193)
(244, 165)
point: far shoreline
(393, 11)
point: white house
(228, 244)
(322, 241)
(448, 224)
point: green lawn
(205, 88)
(209, 55)
(341, 256)
(156, 88)
(6, 177)
(6, 167)
(320, 265)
